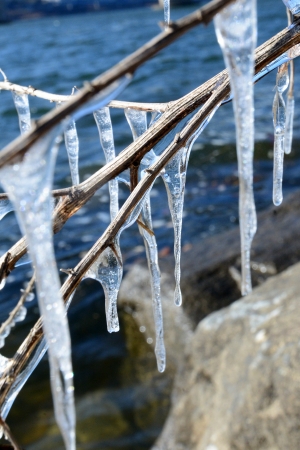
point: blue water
(57, 53)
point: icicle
(282, 81)
(72, 146)
(293, 5)
(108, 267)
(138, 123)
(236, 32)
(288, 135)
(167, 12)
(22, 107)
(174, 179)
(5, 207)
(290, 103)
(23, 376)
(28, 184)
(103, 121)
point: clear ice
(290, 107)
(138, 123)
(236, 32)
(72, 146)
(28, 184)
(108, 269)
(103, 98)
(279, 118)
(23, 110)
(5, 207)
(167, 12)
(293, 5)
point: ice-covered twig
(279, 120)
(236, 32)
(18, 313)
(8, 434)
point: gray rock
(238, 387)
(211, 267)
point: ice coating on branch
(236, 32)
(22, 106)
(108, 269)
(138, 123)
(5, 207)
(72, 146)
(279, 118)
(28, 184)
(293, 6)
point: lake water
(56, 54)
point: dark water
(56, 54)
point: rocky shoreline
(235, 362)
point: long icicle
(279, 118)
(108, 268)
(22, 106)
(72, 147)
(138, 123)
(290, 103)
(236, 32)
(29, 184)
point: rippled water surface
(55, 54)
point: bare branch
(9, 434)
(20, 303)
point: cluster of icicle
(236, 32)
(29, 184)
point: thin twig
(20, 303)
(9, 436)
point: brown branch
(20, 303)
(9, 436)
(17, 148)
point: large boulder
(211, 268)
(238, 387)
